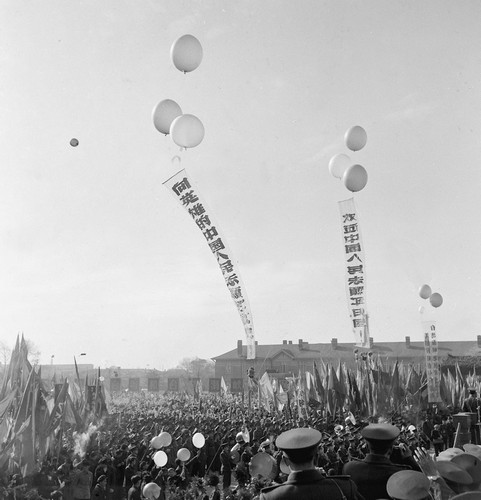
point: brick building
(288, 358)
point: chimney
(408, 341)
(284, 342)
(300, 344)
(371, 342)
(256, 342)
(479, 340)
(334, 343)
(290, 342)
(239, 348)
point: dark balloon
(74, 142)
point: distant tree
(197, 367)
(6, 353)
(33, 352)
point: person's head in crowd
(102, 481)
(136, 480)
(456, 477)
(213, 480)
(380, 438)
(56, 495)
(299, 446)
(408, 485)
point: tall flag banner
(223, 386)
(355, 271)
(433, 371)
(189, 197)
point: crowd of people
(115, 459)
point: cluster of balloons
(186, 130)
(165, 439)
(353, 176)
(435, 299)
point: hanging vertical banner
(355, 272)
(433, 371)
(181, 186)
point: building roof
(345, 351)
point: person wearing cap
(134, 490)
(372, 473)
(408, 485)
(100, 489)
(82, 481)
(226, 466)
(299, 447)
(472, 404)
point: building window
(134, 384)
(153, 384)
(114, 385)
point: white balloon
(164, 113)
(156, 442)
(355, 138)
(187, 131)
(151, 491)
(160, 458)
(355, 178)
(186, 53)
(338, 165)
(198, 440)
(183, 454)
(166, 438)
(425, 291)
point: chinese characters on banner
(355, 272)
(190, 199)
(433, 370)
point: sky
(98, 257)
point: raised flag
(355, 275)
(189, 197)
(56, 415)
(433, 371)
(223, 386)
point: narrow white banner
(433, 370)
(190, 199)
(355, 272)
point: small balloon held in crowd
(166, 438)
(186, 53)
(164, 113)
(151, 491)
(425, 291)
(183, 454)
(160, 458)
(74, 142)
(436, 299)
(187, 131)
(355, 138)
(355, 178)
(198, 440)
(338, 165)
(156, 442)
(263, 465)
